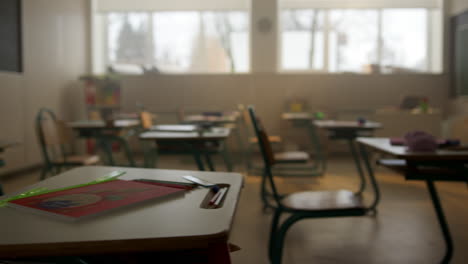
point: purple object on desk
(397, 141)
(420, 141)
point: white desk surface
(225, 118)
(216, 133)
(337, 124)
(383, 145)
(90, 124)
(177, 223)
(297, 116)
(174, 128)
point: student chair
(300, 205)
(55, 140)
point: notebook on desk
(92, 200)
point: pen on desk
(215, 197)
(221, 195)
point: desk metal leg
(106, 147)
(442, 221)
(128, 152)
(362, 185)
(197, 158)
(209, 162)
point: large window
(360, 40)
(176, 41)
(311, 36)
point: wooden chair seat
(82, 160)
(291, 157)
(323, 200)
(272, 139)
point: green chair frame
(55, 158)
(50, 166)
(317, 168)
(278, 231)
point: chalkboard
(460, 54)
(10, 36)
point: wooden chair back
(181, 114)
(266, 151)
(146, 119)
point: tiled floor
(405, 229)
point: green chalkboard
(460, 54)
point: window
(177, 41)
(359, 40)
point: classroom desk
(193, 142)
(105, 135)
(346, 130)
(176, 224)
(225, 118)
(175, 128)
(441, 159)
(297, 116)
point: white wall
(458, 6)
(54, 55)
(269, 92)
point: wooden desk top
(297, 116)
(174, 224)
(175, 128)
(401, 152)
(96, 124)
(216, 133)
(337, 124)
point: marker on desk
(221, 195)
(215, 198)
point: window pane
(352, 40)
(201, 41)
(302, 40)
(174, 35)
(127, 38)
(404, 35)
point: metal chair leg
(370, 172)
(44, 171)
(273, 229)
(277, 249)
(357, 162)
